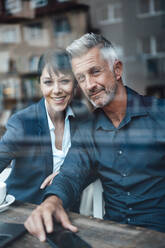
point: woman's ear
(118, 69)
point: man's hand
(41, 219)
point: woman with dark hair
(38, 137)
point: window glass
(145, 43)
(118, 12)
(38, 3)
(33, 63)
(63, 0)
(111, 13)
(4, 61)
(158, 5)
(33, 31)
(144, 6)
(9, 34)
(13, 6)
(61, 25)
(160, 43)
(103, 13)
(156, 67)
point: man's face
(95, 78)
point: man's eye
(47, 82)
(96, 71)
(81, 79)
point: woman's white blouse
(59, 155)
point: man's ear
(118, 69)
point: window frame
(33, 63)
(30, 31)
(11, 29)
(34, 4)
(9, 6)
(56, 25)
(152, 10)
(111, 19)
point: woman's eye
(65, 81)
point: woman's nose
(56, 88)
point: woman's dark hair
(58, 61)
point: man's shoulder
(154, 104)
(156, 110)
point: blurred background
(30, 27)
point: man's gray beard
(111, 96)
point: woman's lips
(59, 99)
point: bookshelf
(16, 92)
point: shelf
(15, 100)
(28, 74)
(19, 75)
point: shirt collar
(69, 112)
(135, 107)
(102, 120)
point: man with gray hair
(123, 142)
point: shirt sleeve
(74, 173)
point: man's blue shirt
(129, 160)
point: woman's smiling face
(57, 89)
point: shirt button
(128, 193)
(120, 152)
(124, 174)
(130, 209)
(128, 219)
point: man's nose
(90, 83)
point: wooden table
(99, 233)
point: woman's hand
(48, 180)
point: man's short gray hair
(90, 40)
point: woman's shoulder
(26, 113)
